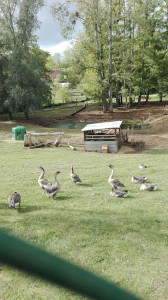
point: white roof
(104, 125)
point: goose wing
(52, 189)
(142, 179)
(17, 198)
(117, 183)
(119, 194)
(44, 183)
(75, 178)
(151, 187)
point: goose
(113, 181)
(44, 183)
(52, 190)
(139, 179)
(14, 200)
(142, 166)
(74, 177)
(148, 187)
(119, 194)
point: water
(133, 126)
(68, 125)
(80, 125)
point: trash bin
(18, 133)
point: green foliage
(63, 93)
(25, 80)
(139, 46)
(53, 62)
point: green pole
(54, 269)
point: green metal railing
(56, 270)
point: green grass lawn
(123, 240)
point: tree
(123, 44)
(63, 94)
(26, 84)
(92, 16)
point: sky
(49, 36)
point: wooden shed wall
(97, 145)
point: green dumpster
(18, 133)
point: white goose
(142, 166)
(148, 187)
(119, 194)
(115, 183)
(52, 191)
(44, 183)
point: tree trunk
(110, 60)
(147, 96)
(160, 96)
(139, 99)
(26, 115)
(117, 93)
(10, 115)
(98, 62)
(121, 99)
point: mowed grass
(123, 240)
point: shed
(103, 137)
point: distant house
(53, 74)
(64, 84)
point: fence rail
(38, 262)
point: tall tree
(123, 43)
(19, 21)
(110, 57)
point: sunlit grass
(124, 240)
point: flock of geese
(52, 189)
(116, 184)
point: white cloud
(58, 48)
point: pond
(68, 125)
(80, 125)
(133, 126)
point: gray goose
(115, 183)
(74, 177)
(52, 190)
(14, 200)
(44, 183)
(119, 194)
(139, 179)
